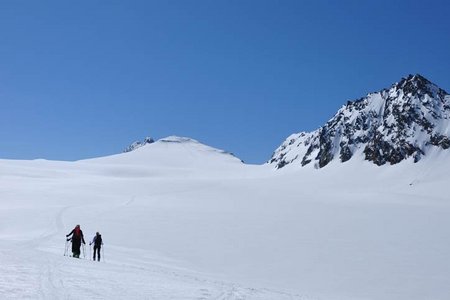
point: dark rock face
(440, 141)
(138, 144)
(389, 126)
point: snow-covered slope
(181, 220)
(407, 120)
(173, 151)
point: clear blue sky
(81, 79)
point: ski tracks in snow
(33, 272)
(51, 284)
(36, 269)
(39, 274)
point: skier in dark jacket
(77, 238)
(97, 241)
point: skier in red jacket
(77, 238)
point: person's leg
(76, 248)
(98, 253)
(95, 250)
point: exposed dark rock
(440, 141)
(138, 144)
(388, 127)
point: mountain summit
(173, 152)
(407, 120)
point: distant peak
(418, 84)
(169, 139)
(416, 79)
(138, 144)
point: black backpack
(98, 241)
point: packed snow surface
(181, 220)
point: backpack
(77, 232)
(98, 241)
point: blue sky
(81, 79)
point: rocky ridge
(389, 126)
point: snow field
(225, 230)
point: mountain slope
(180, 152)
(407, 120)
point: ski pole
(90, 254)
(84, 250)
(65, 247)
(69, 242)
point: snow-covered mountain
(408, 120)
(173, 151)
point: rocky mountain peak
(418, 85)
(406, 120)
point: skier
(97, 241)
(77, 238)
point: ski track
(35, 269)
